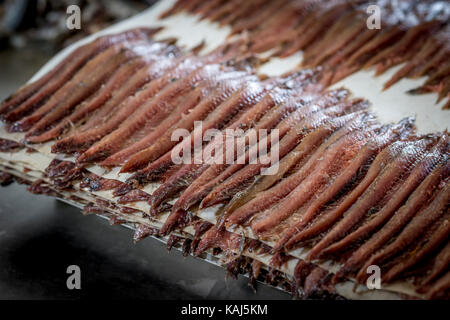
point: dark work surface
(40, 237)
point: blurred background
(25, 23)
(32, 31)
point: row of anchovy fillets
(348, 188)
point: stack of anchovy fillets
(279, 178)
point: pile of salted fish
(348, 193)
(335, 35)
